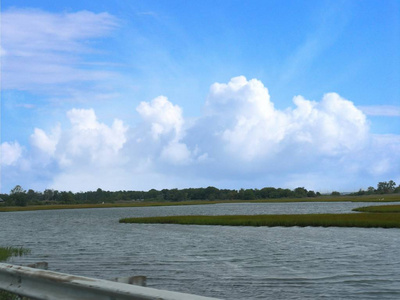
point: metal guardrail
(45, 285)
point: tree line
(384, 187)
(20, 197)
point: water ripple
(225, 262)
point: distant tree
(391, 186)
(266, 192)
(17, 189)
(18, 196)
(99, 196)
(311, 194)
(56, 195)
(33, 196)
(48, 195)
(285, 193)
(211, 193)
(249, 194)
(335, 193)
(67, 198)
(360, 192)
(370, 190)
(386, 187)
(6, 199)
(152, 194)
(300, 192)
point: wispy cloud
(148, 13)
(42, 49)
(328, 26)
(381, 110)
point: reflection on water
(225, 262)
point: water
(224, 262)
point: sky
(135, 95)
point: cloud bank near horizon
(240, 140)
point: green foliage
(300, 192)
(67, 198)
(7, 252)
(8, 296)
(17, 190)
(19, 197)
(311, 194)
(386, 187)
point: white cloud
(86, 142)
(44, 142)
(89, 138)
(10, 153)
(241, 140)
(332, 126)
(245, 118)
(176, 153)
(248, 127)
(41, 49)
(162, 116)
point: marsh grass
(380, 209)
(7, 252)
(105, 205)
(388, 220)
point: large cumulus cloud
(241, 140)
(242, 131)
(10, 153)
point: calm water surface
(224, 262)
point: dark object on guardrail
(42, 265)
(135, 280)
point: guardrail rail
(46, 285)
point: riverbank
(367, 198)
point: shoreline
(360, 199)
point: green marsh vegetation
(380, 209)
(5, 254)
(381, 216)
(106, 205)
(388, 220)
(347, 198)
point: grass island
(385, 216)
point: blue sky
(134, 95)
